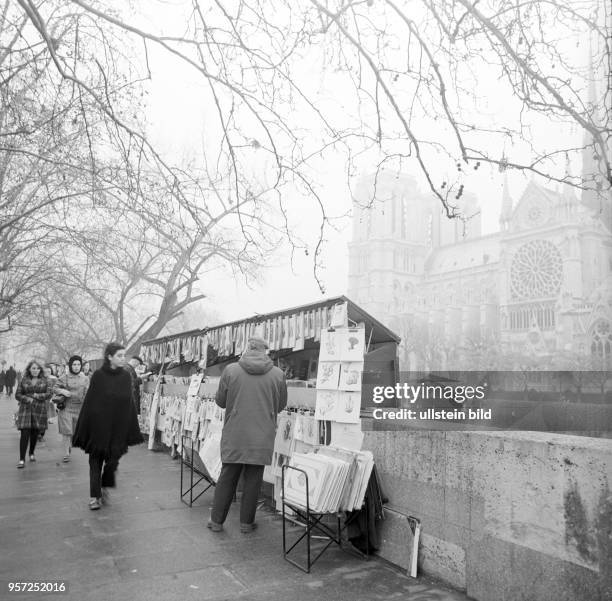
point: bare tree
(418, 81)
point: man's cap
(257, 343)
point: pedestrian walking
(68, 396)
(2, 380)
(9, 380)
(133, 364)
(50, 374)
(87, 369)
(252, 392)
(33, 394)
(107, 424)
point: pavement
(146, 544)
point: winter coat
(76, 385)
(2, 378)
(33, 414)
(10, 377)
(252, 392)
(108, 423)
(136, 382)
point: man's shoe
(32, 458)
(214, 526)
(21, 464)
(246, 528)
(95, 504)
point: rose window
(536, 270)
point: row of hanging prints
(281, 332)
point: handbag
(59, 401)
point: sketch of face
(353, 342)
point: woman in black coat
(107, 424)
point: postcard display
(318, 466)
(190, 425)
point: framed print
(325, 406)
(350, 376)
(331, 345)
(339, 316)
(284, 433)
(328, 375)
(352, 344)
(347, 407)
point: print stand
(192, 464)
(314, 528)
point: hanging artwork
(350, 376)
(352, 344)
(284, 433)
(309, 325)
(328, 375)
(309, 432)
(339, 316)
(347, 408)
(298, 345)
(318, 324)
(325, 406)
(331, 344)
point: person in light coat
(70, 390)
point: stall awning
(284, 329)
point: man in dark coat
(2, 380)
(252, 392)
(107, 424)
(9, 380)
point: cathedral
(537, 294)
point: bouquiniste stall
(324, 349)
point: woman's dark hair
(40, 366)
(111, 349)
(72, 360)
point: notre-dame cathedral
(537, 292)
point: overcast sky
(177, 113)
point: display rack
(313, 523)
(191, 462)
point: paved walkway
(148, 545)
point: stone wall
(505, 515)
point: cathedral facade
(537, 294)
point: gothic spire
(506, 207)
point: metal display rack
(314, 527)
(192, 463)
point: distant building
(539, 289)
